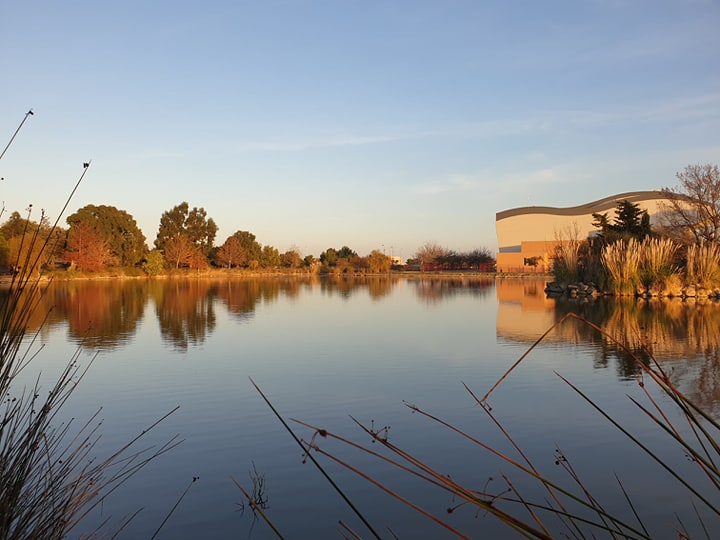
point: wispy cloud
(337, 141)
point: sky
(377, 124)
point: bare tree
(429, 253)
(692, 214)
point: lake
(325, 349)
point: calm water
(323, 350)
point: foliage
(19, 232)
(692, 214)
(86, 248)
(269, 257)
(118, 229)
(346, 253)
(178, 250)
(231, 253)
(193, 224)
(329, 257)
(154, 263)
(250, 246)
(378, 262)
(291, 259)
(630, 222)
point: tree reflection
(433, 290)
(346, 285)
(683, 336)
(100, 315)
(185, 311)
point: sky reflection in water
(326, 349)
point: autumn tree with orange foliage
(86, 248)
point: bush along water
(653, 267)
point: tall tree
(693, 210)
(193, 224)
(118, 229)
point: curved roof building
(530, 234)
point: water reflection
(185, 311)
(682, 335)
(432, 290)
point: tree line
(102, 237)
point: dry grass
(703, 265)
(562, 509)
(49, 478)
(622, 263)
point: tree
(118, 228)
(178, 250)
(250, 246)
(346, 253)
(270, 257)
(291, 259)
(154, 263)
(429, 253)
(329, 257)
(378, 262)
(630, 222)
(86, 248)
(194, 224)
(231, 253)
(693, 210)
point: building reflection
(682, 335)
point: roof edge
(592, 207)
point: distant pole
(29, 113)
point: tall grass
(566, 262)
(622, 263)
(50, 479)
(562, 508)
(657, 268)
(703, 265)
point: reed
(703, 265)
(622, 264)
(50, 479)
(561, 508)
(566, 262)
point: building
(527, 236)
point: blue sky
(376, 124)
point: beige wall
(534, 231)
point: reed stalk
(574, 507)
(50, 479)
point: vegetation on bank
(103, 239)
(679, 256)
